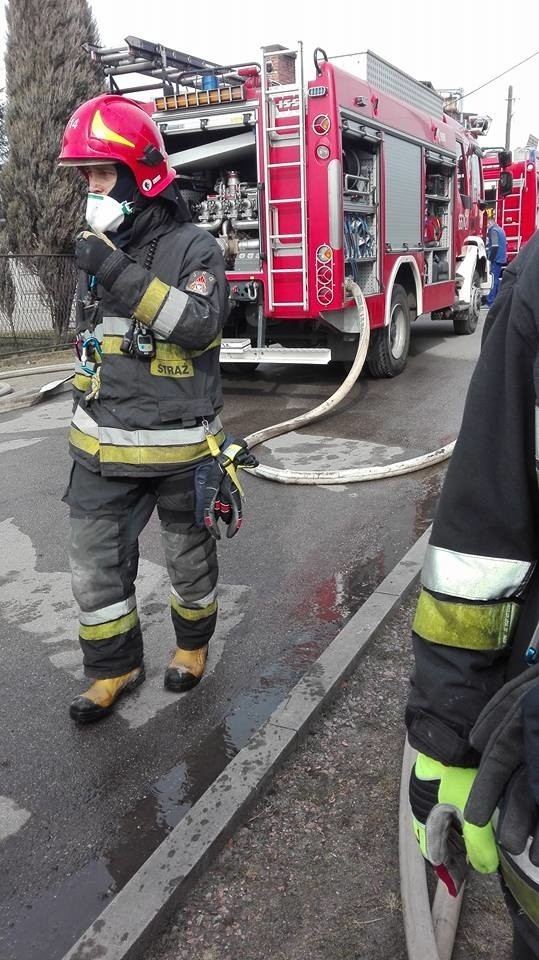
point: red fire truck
(306, 184)
(517, 210)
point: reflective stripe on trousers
(107, 518)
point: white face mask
(104, 213)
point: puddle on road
(48, 926)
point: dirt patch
(314, 871)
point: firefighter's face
(101, 179)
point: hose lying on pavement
(430, 935)
(355, 474)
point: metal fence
(37, 301)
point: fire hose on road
(353, 475)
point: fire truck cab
(308, 185)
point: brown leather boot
(98, 701)
(185, 669)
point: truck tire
(465, 323)
(389, 345)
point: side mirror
(466, 201)
(505, 183)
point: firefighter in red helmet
(146, 429)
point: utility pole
(509, 118)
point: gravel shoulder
(314, 872)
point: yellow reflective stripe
(83, 442)
(152, 301)
(81, 381)
(469, 626)
(201, 603)
(526, 894)
(216, 342)
(189, 614)
(111, 344)
(472, 577)
(147, 455)
(164, 349)
(103, 631)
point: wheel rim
(397, 331)
(475, 305)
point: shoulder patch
(201, 282)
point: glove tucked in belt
(438, 796)
(217, 489)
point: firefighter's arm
(483, 547)
(191, 314)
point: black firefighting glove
(98, 257)
(506, 733)
(218, 491)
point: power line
(532, 55)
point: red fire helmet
(112, 129)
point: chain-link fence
(37, 301)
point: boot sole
(181, 686)
(91, 716)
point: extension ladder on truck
(283, 131)
(512, 217)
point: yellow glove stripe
(85, 234)
(480, 847)
(152, 301)
(420, 835)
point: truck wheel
(389, 345)
(466, 322)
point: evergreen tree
(48, 74)
(4, 147)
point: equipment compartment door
(402, 195)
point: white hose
(430, 933)
(355, 474)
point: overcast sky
(457, 45)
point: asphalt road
(80, 809)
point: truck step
(241, 351)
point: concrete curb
(30, 371)
(142, 907)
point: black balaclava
(170, 199)
(125, 188)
